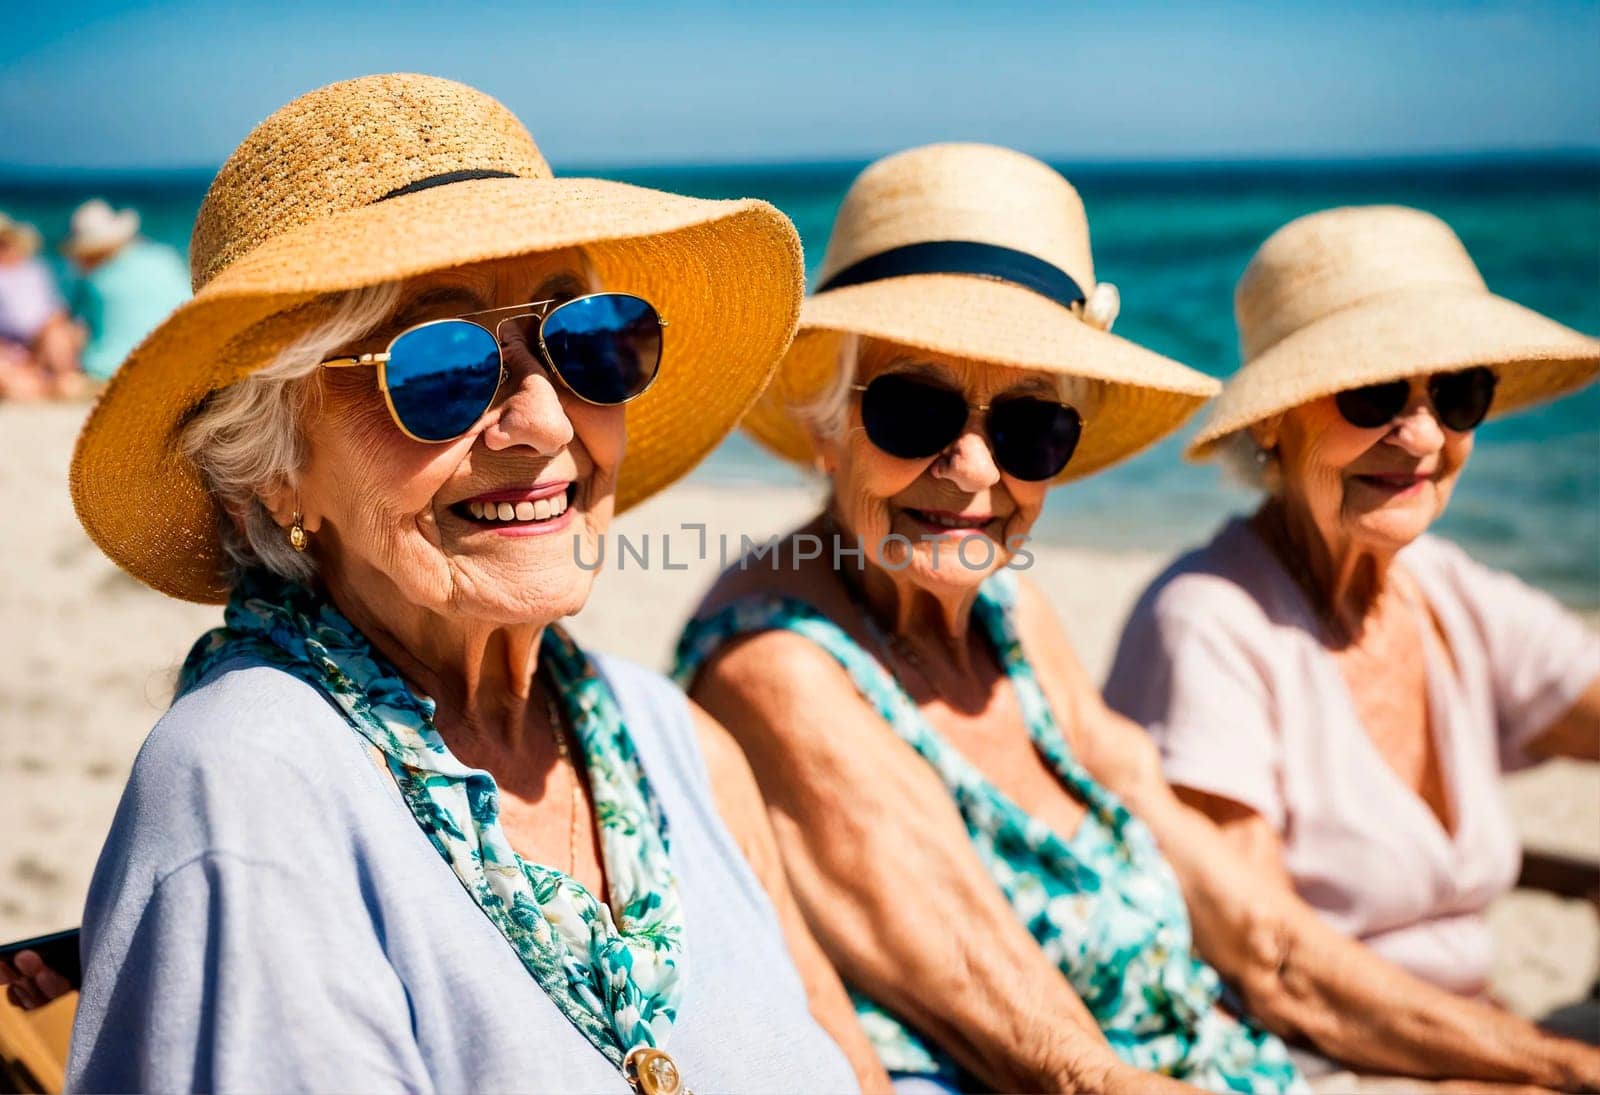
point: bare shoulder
(726, 766)
(724, 759)
(769, 677)
(804, 729)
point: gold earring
(297, 533)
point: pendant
(652, 1071)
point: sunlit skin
(929, 594)
(1352, 498)
(379, 505)
(458, 607)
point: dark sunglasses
(1461, 400)
(913, 419)
(440, 376)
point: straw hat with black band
(981, 253)
(1362, 295)
(386, 178)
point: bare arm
(889, 880)
(1252, 836)
(742, 810)
(1575, 734)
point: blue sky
(178, 84)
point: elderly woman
(1337, 689)
(398, 830)
(990, 855)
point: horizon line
(1576, 155)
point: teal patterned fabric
(618, 980)
(1104, 905)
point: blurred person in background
(1338, 689)
(127, 284)
(38, 342)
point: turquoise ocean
(1174, 238)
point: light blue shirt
(266, 915)
(124, 298)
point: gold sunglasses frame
(381, 360)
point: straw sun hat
(97, 228)
(981, 253)
(1356, 296)
(386, 178)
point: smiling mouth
(951, 522)
(511, 510)
(1394, 482)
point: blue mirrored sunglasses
(440, 376)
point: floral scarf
(619, 980)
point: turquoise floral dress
(618, 978)
(1104, 905)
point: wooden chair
(33, 1045)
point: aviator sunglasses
(440, 376)
(1031, 438)
(1460, 400)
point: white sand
(88, 657)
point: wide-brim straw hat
(999, 243)
(1362, 295)
(387, 178)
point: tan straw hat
(981, 253)
(1361, 295)
(386, 178)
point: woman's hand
(30, 983)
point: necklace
(557, 730)
(888, 640)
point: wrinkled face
(1379, 488)
(957, 509)
(396, 518)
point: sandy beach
(88, 658)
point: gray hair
(247, 438)
(825, 415)
(1245, 461)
